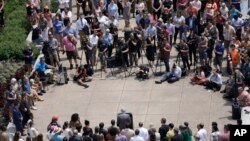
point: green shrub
(54, 6)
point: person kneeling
(172, 76)
(214, 81)
(142, 73)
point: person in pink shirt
(226, 135)
(69, 45)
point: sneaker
(158, 82)
(41, 94)
(33, 108)
(43, 91)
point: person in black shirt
(163, 129)
(102, 46)
(167, 9)
(184, 54)
(132, 49)
(124, 52)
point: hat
(57, 130)
(223, 4)
(13, 80)
(54, 118)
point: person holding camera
(184, 50)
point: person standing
(184, 50)
(1, 13)
(177, 136)
(79, 4)
(215, 135)
(69, 45)
(102, 49)
(123, 119)
(91, 49)
(166, 53)
(163, 129)
(126, 10)
(108, 39)
(178, 20)
(137, 137)
(18, 118)
(113, 9)
(219, 49)
(156, 5)
(143, 132)
(202, 133)
(228, 34)
(63, 4)
(132, 49)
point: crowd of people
(205, 33)
(75, 130)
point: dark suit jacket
(163, 131)
(17, 115)
(123, 119)
(178, 137)
(195, 23)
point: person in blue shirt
(58, 28)
(69, 30)
(108, 39)
(41, 67)
(218, 51)
(172, 76)
(113, 9)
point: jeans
(169, 77)
(185, 61)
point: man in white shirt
(196, 4)
(202, 133)
(91, 49)
(143, 132)
(228, 34)
(81, 23)
(137, 137)
(224, 10)
(172, 76)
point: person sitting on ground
(172, 76)
(214, 81)
(199, 77)
(142, 73)
(82, 76)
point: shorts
(218, 60)
(71, 54)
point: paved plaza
(147, 101)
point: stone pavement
(147, 101)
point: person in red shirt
(165, 53)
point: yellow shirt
(170, 134)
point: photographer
(184, 54)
